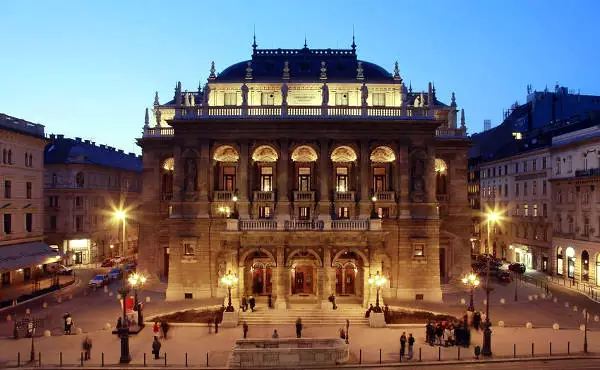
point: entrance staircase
(308, 311)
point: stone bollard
(535, 296)
(529, 325)
(147, 299)
(463, 301)
(110, 294)
(596, 318)
(582, 327)
(70, 296)
(485, 301)
(27, 311)
(9, 318)
(530, 297)
(59, 300)
(501, 324)
(502, 300)
(555, 300)
(555, 326)
(107, 326)
(105, 288)
(567, 304)
(45, 304)
(543, 296)
(575, 308)
(79, 330)
(47, 333)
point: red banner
(128, 305)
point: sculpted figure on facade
(364, 94)
(325, 94)
(284, 94)
(206, 94)
(244, 95)
(190, 175)
(418, 159)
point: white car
(59, 269)
(98, 281)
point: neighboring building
(543, 113)
(84, 185)
(22, 248)
(305, 172)
(576, 209)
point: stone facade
(307, 199)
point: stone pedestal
(377, 320)
(230, 319)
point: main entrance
(303, 280)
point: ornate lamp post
(472, 282)
(378, 281)
(137, 280)
(491, 217)
(123, 292)
(229, 280)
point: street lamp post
(487, 333)
(229, 280)
(378, 281)
(123, 292)
(472, 282)
(585, 324)
(137, 280)
(121, 215)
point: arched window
(30, 160)
(167, 171)
(26, 160)
(54, 180)
(9, 156)
(4, 156)
(570, 252)
(441, 169)
(585, 266)
(79, 180)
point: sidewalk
(585, 288)
(14, 291)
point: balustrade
(304, 196)
(350, 225)
(344, 196)
(259, 224)
(264, 196)
(385, 196)
(303, 225)
(223, 196)
(442, 198)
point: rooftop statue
(325, 94)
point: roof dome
(304, 65)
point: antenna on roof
(305, 45)
(353, 41)
(254, 45)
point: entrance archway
(304, 266)
(585, 266)
(349, 266)
(258, 265)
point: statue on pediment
(191, 178)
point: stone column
(178, 176)
(281, 280)
(325, 278)
(403, 168)
(430, 179)
(365, 196)
(324, 180)
(283, 201)
(367, 289)
(241, 281)
(243, 180)
(203, 176)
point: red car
(109, 262)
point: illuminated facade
(305, 172)
(84, 184)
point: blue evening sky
(89, 68)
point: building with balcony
(84, 185)
(576, 203)
(304, 171)
(22, 247)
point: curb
(59, 291)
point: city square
(303, 205)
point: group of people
(275, 334)
(251, 301)
(159, 329)
(404, 340)
(68, 322)
(446, 333)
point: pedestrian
(87, 348)
(447, 336)
(439, 334)
(216, 325)
(342, 334)
(411, 343)
(402, 345)
(156, 348)
(252, 303)
(299, 328)
(270, 300)
(369, 311)
(386, 314)
(165, 329)
(245, 328)
(119, 323)
(155, 329)
(476, 320)
(244, 303)
(69, 324)
(275, 334)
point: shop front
(524, 255)
(77, 251)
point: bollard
(550, 348)
(419, 354)
(60, 359)
(206, 359)
(81, 357)
(144, 359)
(514, 350)
(458, 356)
(439, 353)
(380, 356)
(359, 356)
(568, 348)
(39, 359)
(531, 349)
(186, 359)
(165, 359)
(103, 358)
(18, 359)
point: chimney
(120, 151)
(487, 124)
(78, 139)
(60, 136)
(93, 143)
(102, 146)
(131, 154)
(52, 136)
(87, 141)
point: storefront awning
(17, 256)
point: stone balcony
(442, 198)
(361, 224)
(263, 196)
(223, 195)
(385, 196)
(344, 196)
(304, 196)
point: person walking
(156, 348)
(216, 325)
(68, 324)
(245, 329)
(155, 329)
(275, 334)
(244, 303)
(402, 345)
(342, 334)
(165, 329)
(411, 342)
(252, 301)
(87, 348)
(299, 328)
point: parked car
(98, 281)
(503, 276)
(109, 262)
(59, 269)
(115, 273)
(517, 267)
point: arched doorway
(598, 269)
(585, 266)
(349, 266)
(303, 269)
(570, 262)
(559, 261)
(258, 280)
(345, 278)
